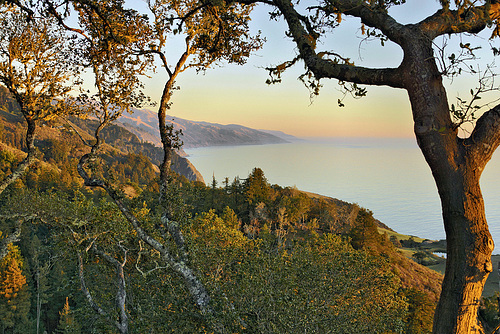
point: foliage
(453, 157)
(267, 255)
(39, 71)
(67, 322)
(14, 295)
(323, 285)
(489, 311)
(214, 31)
(420, 312)
(307, 280)
(36, 64)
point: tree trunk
(468, 263)
(30, 158)
(456, 171)
(456, 164)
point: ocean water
(387, 176)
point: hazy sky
(238, 94)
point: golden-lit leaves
(11, 277)
(214, 31)
(35, 64)
(323, 285)
(494, 12)
(113, 33)
(14, 296)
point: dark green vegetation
(275, 260)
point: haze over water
(387, 176)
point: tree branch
(472, 20)
(72, 126)
(162, 58)
(30, 158)
(325, 68)
(371, 16)
(485, 138)
(52, 10)
(25, 9)
(121, 293)
(85, 290)
(193, 284)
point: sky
(232, 94)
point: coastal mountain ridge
(119, 142)
(144, 124)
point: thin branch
(52, 10)
(139, 255)
(85, 290)
(25, 9)
(121, 293)
(497, 328)
(190, 13)
(276, 71)
(158, 53)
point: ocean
(387, 176)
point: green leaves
(465, 110)
(323, 285)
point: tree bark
(456, 170)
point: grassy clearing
(439, 263)
(399, 236)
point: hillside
(144, 124)
(119, 141)
(121, 138)
(248, 238)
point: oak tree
(37, 69)
(456, 161)
(204, 45)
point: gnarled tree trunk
(456, 168)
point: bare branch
(139, 255)
(86, 291)
(121, 293)
(72, 126)
(52, 10)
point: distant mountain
(144, 124)
(282, 135)
(118, 141)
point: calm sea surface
(387, 176)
